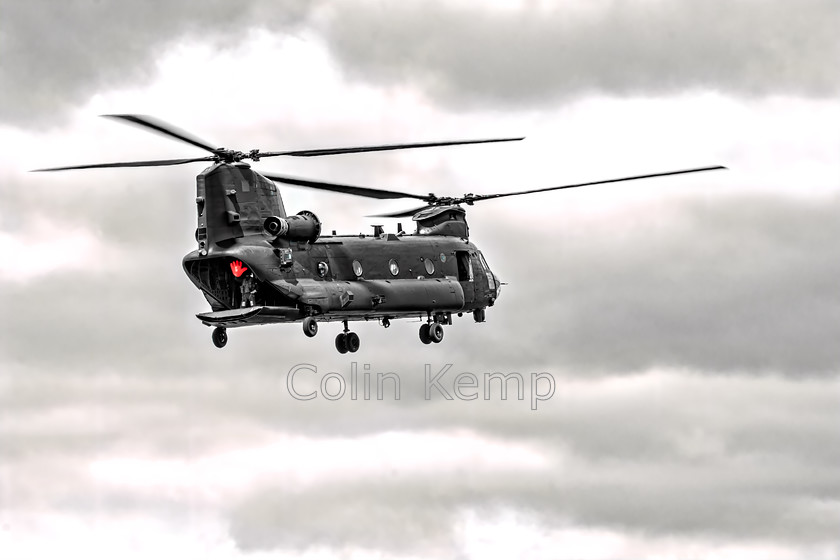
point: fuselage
(384, 275)
(350, 276)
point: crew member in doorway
(249, 288)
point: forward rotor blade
(400, 214)
(382, 148)
(166, 129)
(572, 186)
(346, 189)
(151, 163)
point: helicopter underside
(346, 341)
(277, 299)
(271, 315)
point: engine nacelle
(305, 226)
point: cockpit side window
(490, 278)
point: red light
(237, 268)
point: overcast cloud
(56, 55)
(690, 324)
(743, 285)
(456, 52)
(658, 47)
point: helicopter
(256, 264)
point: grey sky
(743, 285)
(456, 53)
(691, 324)
(56, 55)
(636, 48)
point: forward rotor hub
(234, 156)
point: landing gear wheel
(310, 327)
(478, 315)
(353, 342)
(386, 322)
(341, 343)
(425, 338)
(220, 337)
(436, 332)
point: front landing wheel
(220, 337)
(424, 334)
(436, 332)
(341, 343)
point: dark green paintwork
(233, 202)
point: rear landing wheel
(436, 332)
(220, 337)
(341, 343)
(310, 327)
(424, 334)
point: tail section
(233, 201)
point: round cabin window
(430, 266)
(393, 267)
(323, 268)
(442, 257)
(357, 268)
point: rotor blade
(401, 214)
(166, 129)
(151, 163)
(633, 178)
(382, 148)
(346, 189)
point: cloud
(741, 284)
(692, 334)
(654, 457)
(658, 454)
(530, 57)
(717, 482)
(44, 251)
(56, 56)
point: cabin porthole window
(393, 267)
(323, 268)
(357, 268)
(430, 266)
(442, 257)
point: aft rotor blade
(382, 148)
(346, 189)
(166, 129)
(400, 214)
(572, 186)
(151, 163)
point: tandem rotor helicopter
(256, 265)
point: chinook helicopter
(257, 265)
